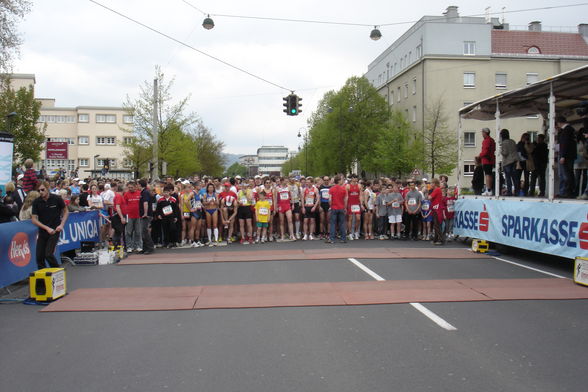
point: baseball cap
(227, 184)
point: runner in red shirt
(436, 198)
(354, 208)
(285, 208)
(133, 228)
(228, 201)
(338, 206)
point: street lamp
(305, 148)
(375, 34)
(10, 120)
(208, 23)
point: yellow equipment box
(581, 271)
(480, 246)
(47, 284)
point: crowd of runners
(196, 212)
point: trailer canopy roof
(569, 88)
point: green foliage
(11, 11)
(236, 169)
(29, 137)
(184, 142)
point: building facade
(454, 61)
(95, 135)
(270, 159)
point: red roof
(549, 43)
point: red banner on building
(56, 150)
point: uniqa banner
(18, 242)
(559, 229)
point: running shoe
(311, 238)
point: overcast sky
(83, 54)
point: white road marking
(436, 319)
(431, 315)
(531, 268)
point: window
(106, 118)
(83, 162)
(469, 48)
(83, 140)
(398, 95)
(533, 50)
(532, 78)
(406, 91)
(500, 79)
(128, 119)
(414, 86)
(391, 97)
(83, 118)
(414, 113)
(128, 140)
(419, 51)
(53, 164)
(533, 136)
(469, 139)
(127, 162)
(69, 140)
(60, 119)
(111, 162)
(469, 79)
(105, 140)
(468, 168)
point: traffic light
(292, 104)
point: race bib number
(395, 204)
(355, 208)
(210, 199)
(197, 204)
(284, 196)
(325, 193)
(243, 200)
(167, 210)
(450, 208)
(412, 202)
(228, 202)
(186, 214)
(263, 211)
(425, 207)
(271, 202)
(309, 201)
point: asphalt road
(498, 346)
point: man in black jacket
(567, 155)
(540, 158)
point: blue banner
(18, 242)
(80, 226)
(559, 229)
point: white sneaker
(356, 236)
(305, 238)
(311, 237)
(350, 236)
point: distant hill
(231, 158)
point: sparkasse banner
(559, 229)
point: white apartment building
(94, 135)
(270, 159)
(460, 60)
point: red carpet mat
(316, 294)
(195, 256)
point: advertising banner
(559, 229)
(18, 242)
(6, 150)
(56, 150)
(80, 226)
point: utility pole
(155, 131)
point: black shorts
(308, 213)
(244, 212)
(488, 169)
(325, 207)
(296, 208)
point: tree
(11, 11)
(345, 127)
(236, 169)
(184, 142)
(439, 142)
(29, 137)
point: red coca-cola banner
(56, 150)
